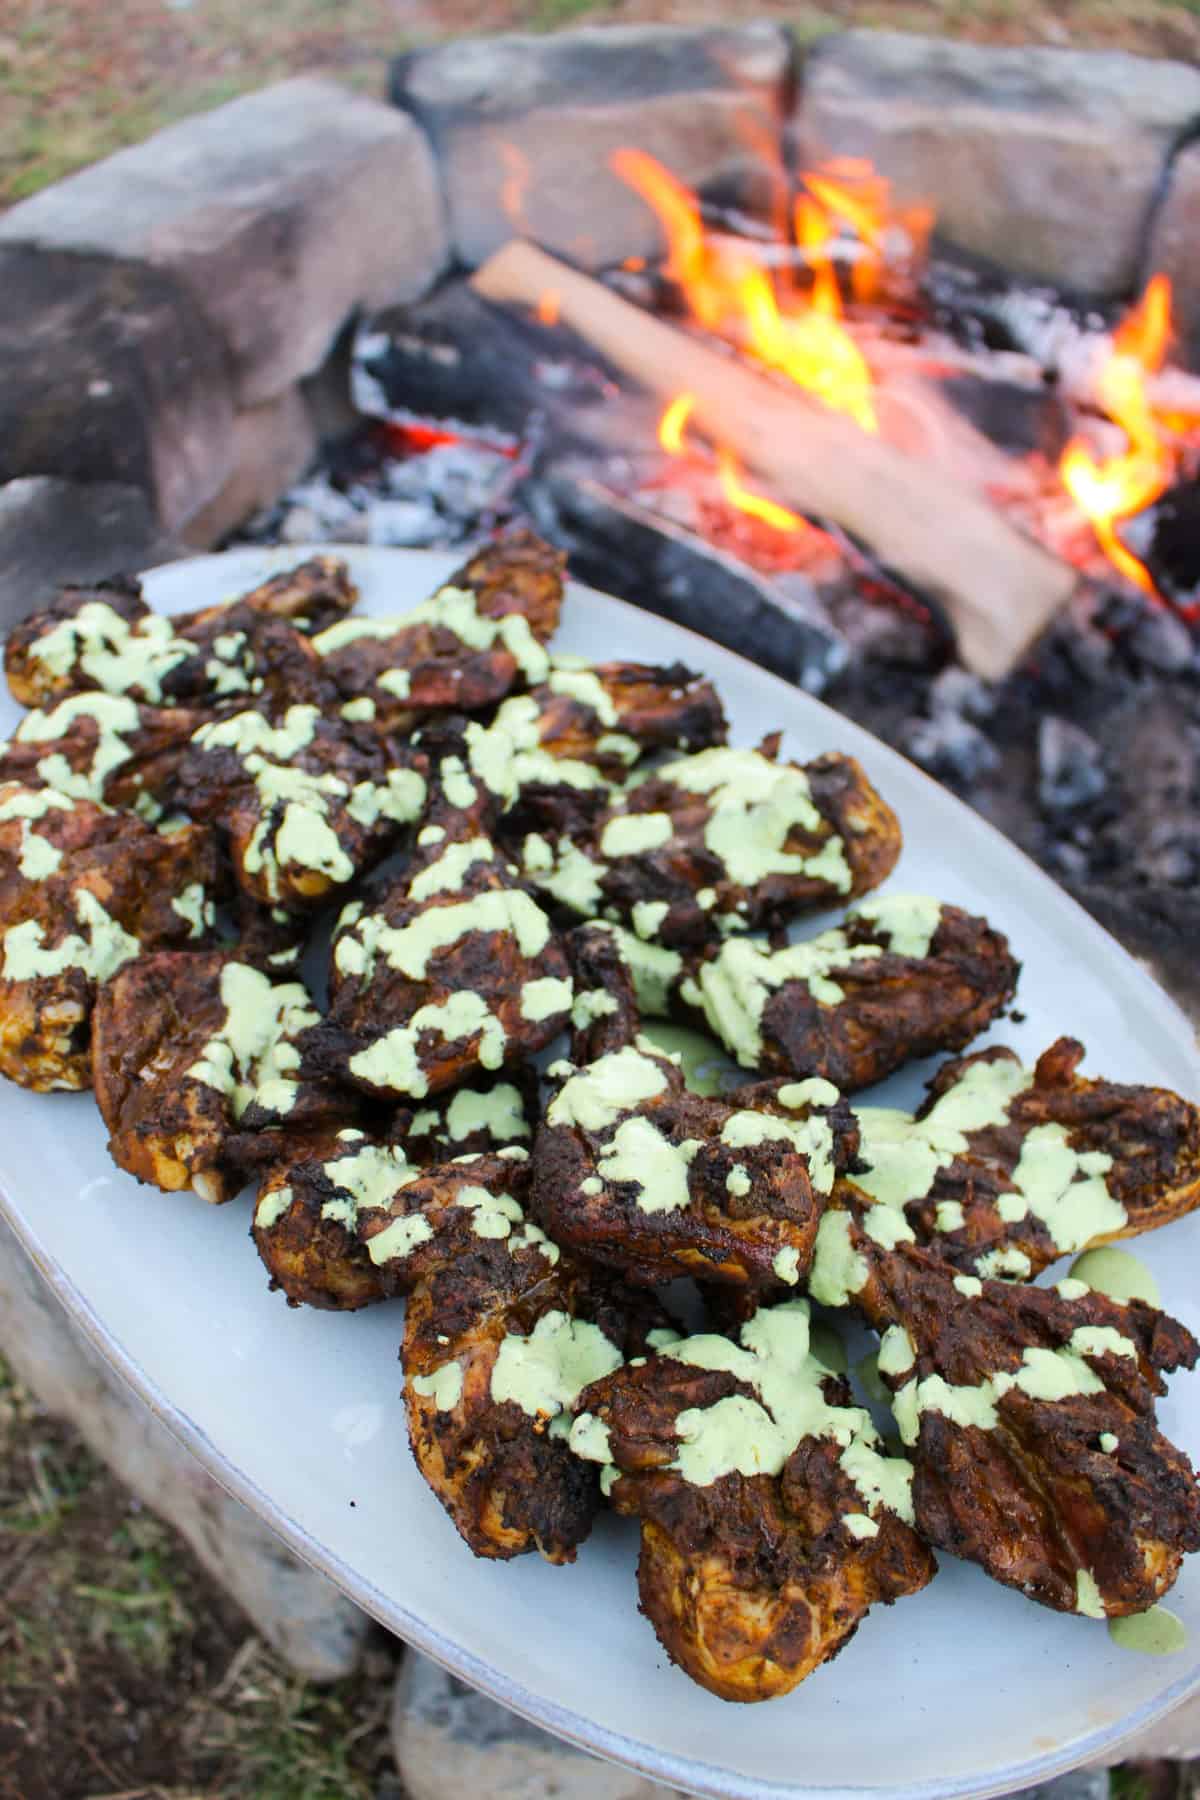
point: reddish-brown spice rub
(182, 1109)
(1044, 1462)
(83, 890)
(1151, 1135)
(421, 663)
(752, 1581)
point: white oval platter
(966, 1689)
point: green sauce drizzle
(1154, 1633)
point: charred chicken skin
(83, 892)
(636, 1172)
(476, 1117)
(481, 634)
(771, 1518)
(609, 714)
(310, 597)
(1028, 1413)
(733, 840)
(498, 1343)
(451, 971)
(319, 1212)
(901, 977)
(306, 804)
(1004, 1169)
(197, 1072)
(106, 638)
(103, 747)
(550, 757)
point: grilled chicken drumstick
(901, 977)
(452, 970)
(84, 891)
(771, 1518)
(322, 1219)
(482, 633)
(306, 804)
(107, 639)
(1028, 1413)
(734, 840)
(497, 1345)
(198, 1075)
(634, 1171)
(1004, 1169)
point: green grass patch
(551, 15)
(43, 1488)
(138, 1610)
(1127, 1784)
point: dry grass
(80, 78)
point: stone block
(1044, 160)
(524, 127)
(449, 1741)
(109, 372)
(55, 531)
(298, 1612)
(282, 212)
(271, 446)
(1175, 249)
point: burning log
(619, 545)
(998, 588)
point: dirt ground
(125, 1674)
(81, 78)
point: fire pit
(868, 365)
(982, 542)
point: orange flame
(670, 435)
(549, 306)
(757, 505)
(670, 426)
(727, 291)
(1116, 487)
(850, 191)
(689, 260)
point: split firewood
(998, 587)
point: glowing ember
(1113, 488)
(548, 307)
